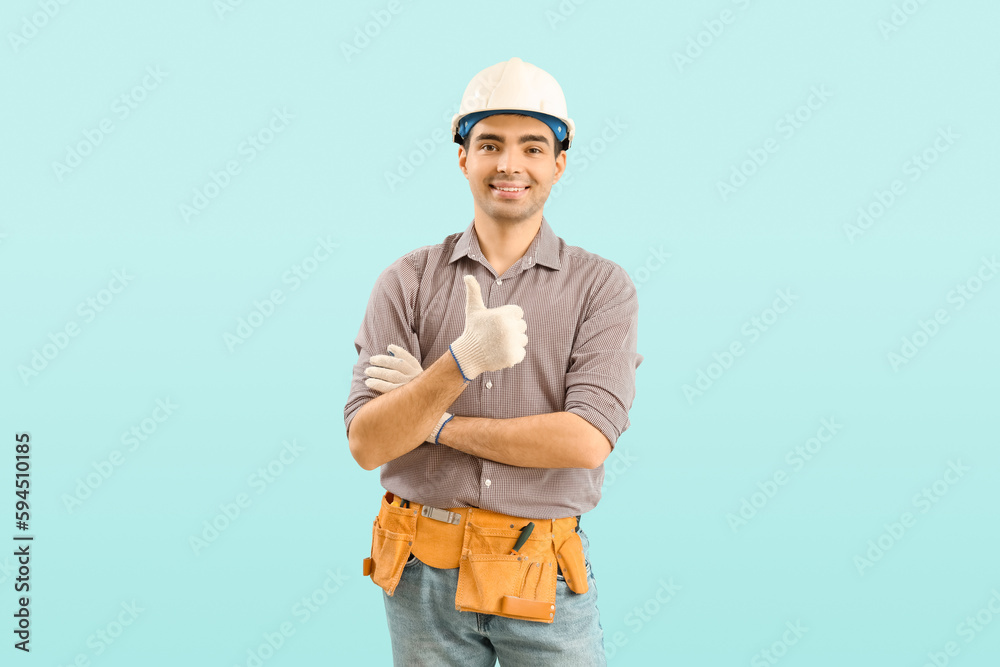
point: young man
(530, 343)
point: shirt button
(487, 482)
(489, 384)
(500, 281)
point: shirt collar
(544, 248)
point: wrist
(436, 433)
(468, 357)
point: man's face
(508, 151)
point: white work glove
(493, 338)
(392, 371)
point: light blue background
(649, 187)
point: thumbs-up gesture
(493, 338)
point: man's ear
(560, 166)
(462, 155)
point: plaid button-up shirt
(582, 315)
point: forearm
(397, 422)
(553, 440)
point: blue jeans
(426, 629)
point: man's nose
(508, 163)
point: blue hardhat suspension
(558, 127)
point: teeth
(508, 189)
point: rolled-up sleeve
(388, 319)
(600, 383)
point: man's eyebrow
(525, 138)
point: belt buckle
(438, 514)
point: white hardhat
(514, 87)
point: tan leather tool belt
(491, 580)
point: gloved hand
(392, 371)
(493, 338)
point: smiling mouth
(509, 194)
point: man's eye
(485, 146)
(537, 150)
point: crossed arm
(397, 422)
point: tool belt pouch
(572, 562)
(392, 538)
(493, 581)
